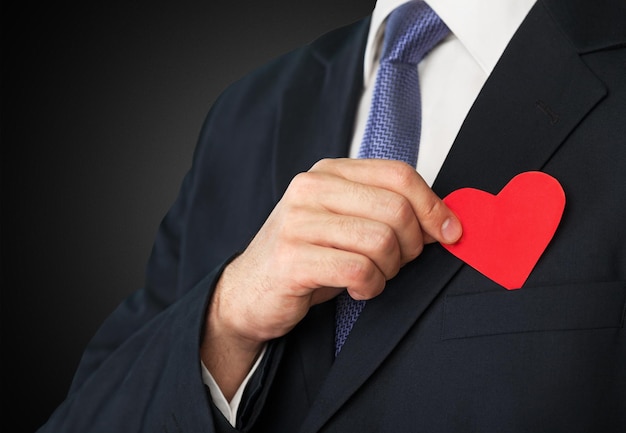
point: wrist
(225, 351)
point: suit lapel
(539, 91)
(308, 130)
(308, 121)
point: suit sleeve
(141, 370)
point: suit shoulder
(591, 26)
(292, 68)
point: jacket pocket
(534, 309)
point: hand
(345, 224)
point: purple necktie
(394, 123)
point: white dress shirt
(450, 76)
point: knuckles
(382, 245)
(400, 210)
(302, 184)
(322, 165)
(402, 175)
(363, 278)
(382, 238)
(432, 210)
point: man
(235, 328)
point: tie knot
(412, 30)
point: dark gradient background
(102, 103)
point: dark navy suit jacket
(443, 349)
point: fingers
(335, 268)
(436, 220)
(345, 224)
(373, 239)
(358, 217)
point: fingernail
(451, 230)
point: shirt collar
(484, 27)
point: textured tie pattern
(393, 127)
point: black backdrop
(101, 106)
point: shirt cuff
(229, 410)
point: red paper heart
(504, 235)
